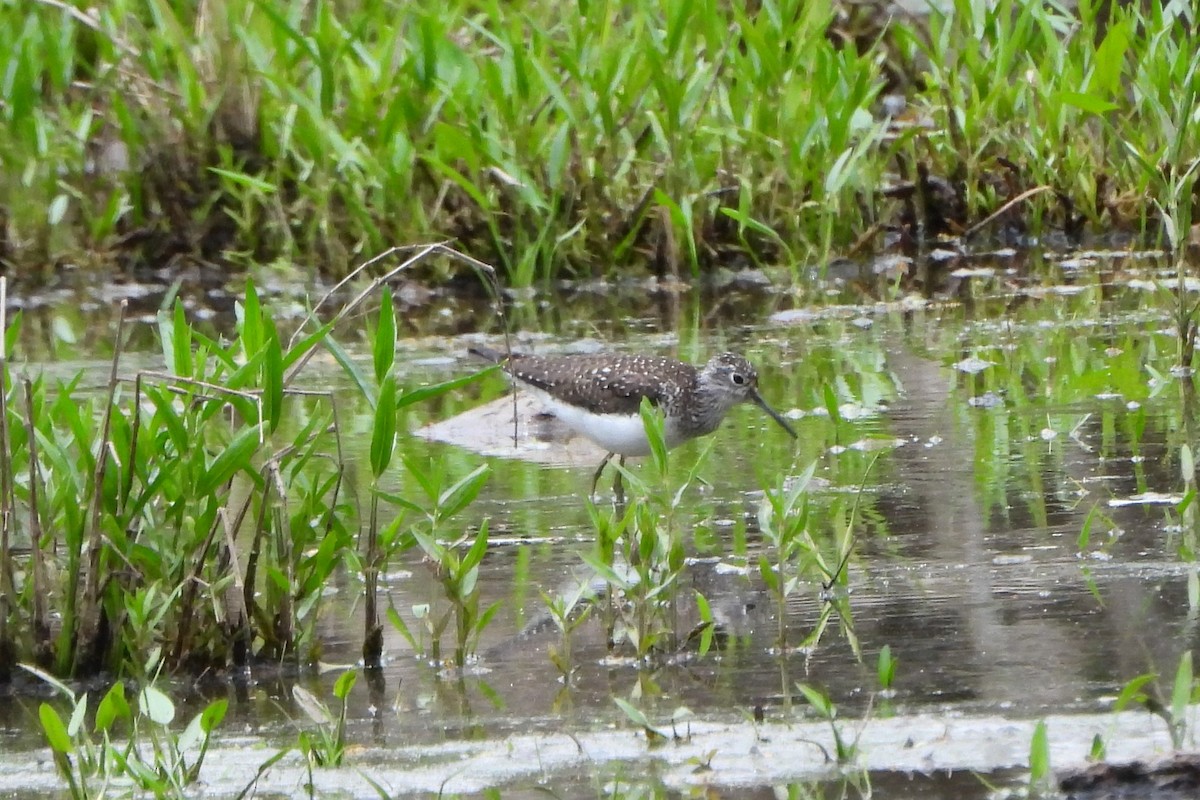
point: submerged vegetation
(577, 141)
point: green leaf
(191, 735)
(485, 618)
(272, 380)
(213, 714)
(78, 714)
(1039, 755)
(768, 573)
(1087, 102)
(653, 424)
(344, 683)
(156, 706)
(398, 623)
(235, 457)
(1109, 61)
(166, 337)
(706, 617)
(252, 333)
(886, 669)
(1181, 693)
(351, 369)
(1085, 532)
(634, 713)
(831, 404)
(1132, 692)
(301, 348)
(478, 549)
(438, 389)
(13, 334)
(820, 703)
(606, 572)
(466, 586)
(56, 732)
(181, 343)
(242, 179)
(454, 176)
(383, 431)
(385, 337)
(462, 493)
(114, 706)
(46, 677)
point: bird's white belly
(622, 434)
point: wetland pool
(1007, 466)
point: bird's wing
(604, 384)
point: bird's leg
(599, 471)
(619, 485)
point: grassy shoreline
(582, 140)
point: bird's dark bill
(775, 415)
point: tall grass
(1098, 107)
(554, 140)
(575, 140)
(189, 516)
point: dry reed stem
(42, 640)
(86, 656)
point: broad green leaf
(344, 683)
(181, 343)
(634, 713)
(1039, 754)
(1132, 692)
(236, 456)
(385, 336)
(13, 334)
(831, 405)
(462, 493)
(252, 333)
(272, 380)
(653, 425)
(213, 714)
(820, 703)
(383, 431)
(1109, 62)
(438, 389)
(475, 555)
(156, 706)
(78, 714)
(1087, 102)
(56, 732)
(114, 706)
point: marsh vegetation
(588, 140)
(231, 507)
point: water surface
(1007, 460)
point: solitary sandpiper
(598, 396)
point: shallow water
(1012, 463)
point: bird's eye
(739, 378)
